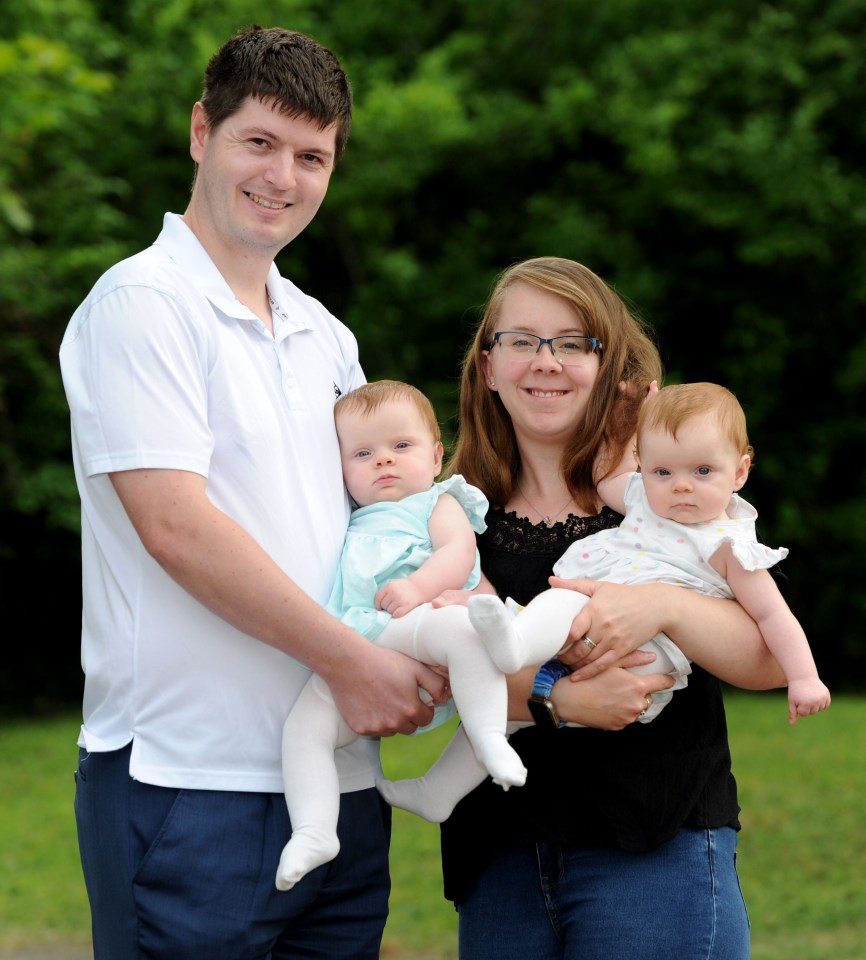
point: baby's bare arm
(447, 568)
(758, 594)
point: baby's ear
(742, 474)
(439, 453)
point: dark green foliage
(705, 159)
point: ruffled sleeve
(739, 532)
(757, 556)
(634, 495)
(473, 501)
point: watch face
(543, 713)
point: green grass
(802, 854)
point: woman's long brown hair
(486, 451)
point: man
(201, 386)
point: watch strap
(548, 674)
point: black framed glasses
(516, 345)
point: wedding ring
(590, 644)
(648, 700)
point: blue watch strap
(548, 674)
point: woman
(620, 845)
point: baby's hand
(806, 697)
(630, 390)
(398, 597)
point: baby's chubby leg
(435, 795)
(312, 732)
(537, 633)
(445, 636)
(670, 660)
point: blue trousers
(551, 902)
(189, 874)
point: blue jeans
(551, 902)
(189, 874)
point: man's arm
(224, 568)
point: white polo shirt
(164, 368)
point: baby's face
(388, 453)
(690, 478)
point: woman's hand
(449, 598)
(610, 701)
(617, 620)
(453, 598)
(716, 634)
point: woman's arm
(609, 701)
(716, 634)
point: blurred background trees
(707, 160)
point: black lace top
(631, 789)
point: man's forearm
(223, 567)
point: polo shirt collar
(186, 251)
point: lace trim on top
(512, 534)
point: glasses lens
(519, 344)
(572, 349)
(523, 346)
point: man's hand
(217, 562)
(378, 693)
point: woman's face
(545, 399)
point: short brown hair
(300, 76)
(673, 405)
(369, 397)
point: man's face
(261, 178)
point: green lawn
(802, 852)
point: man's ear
(198, 131)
